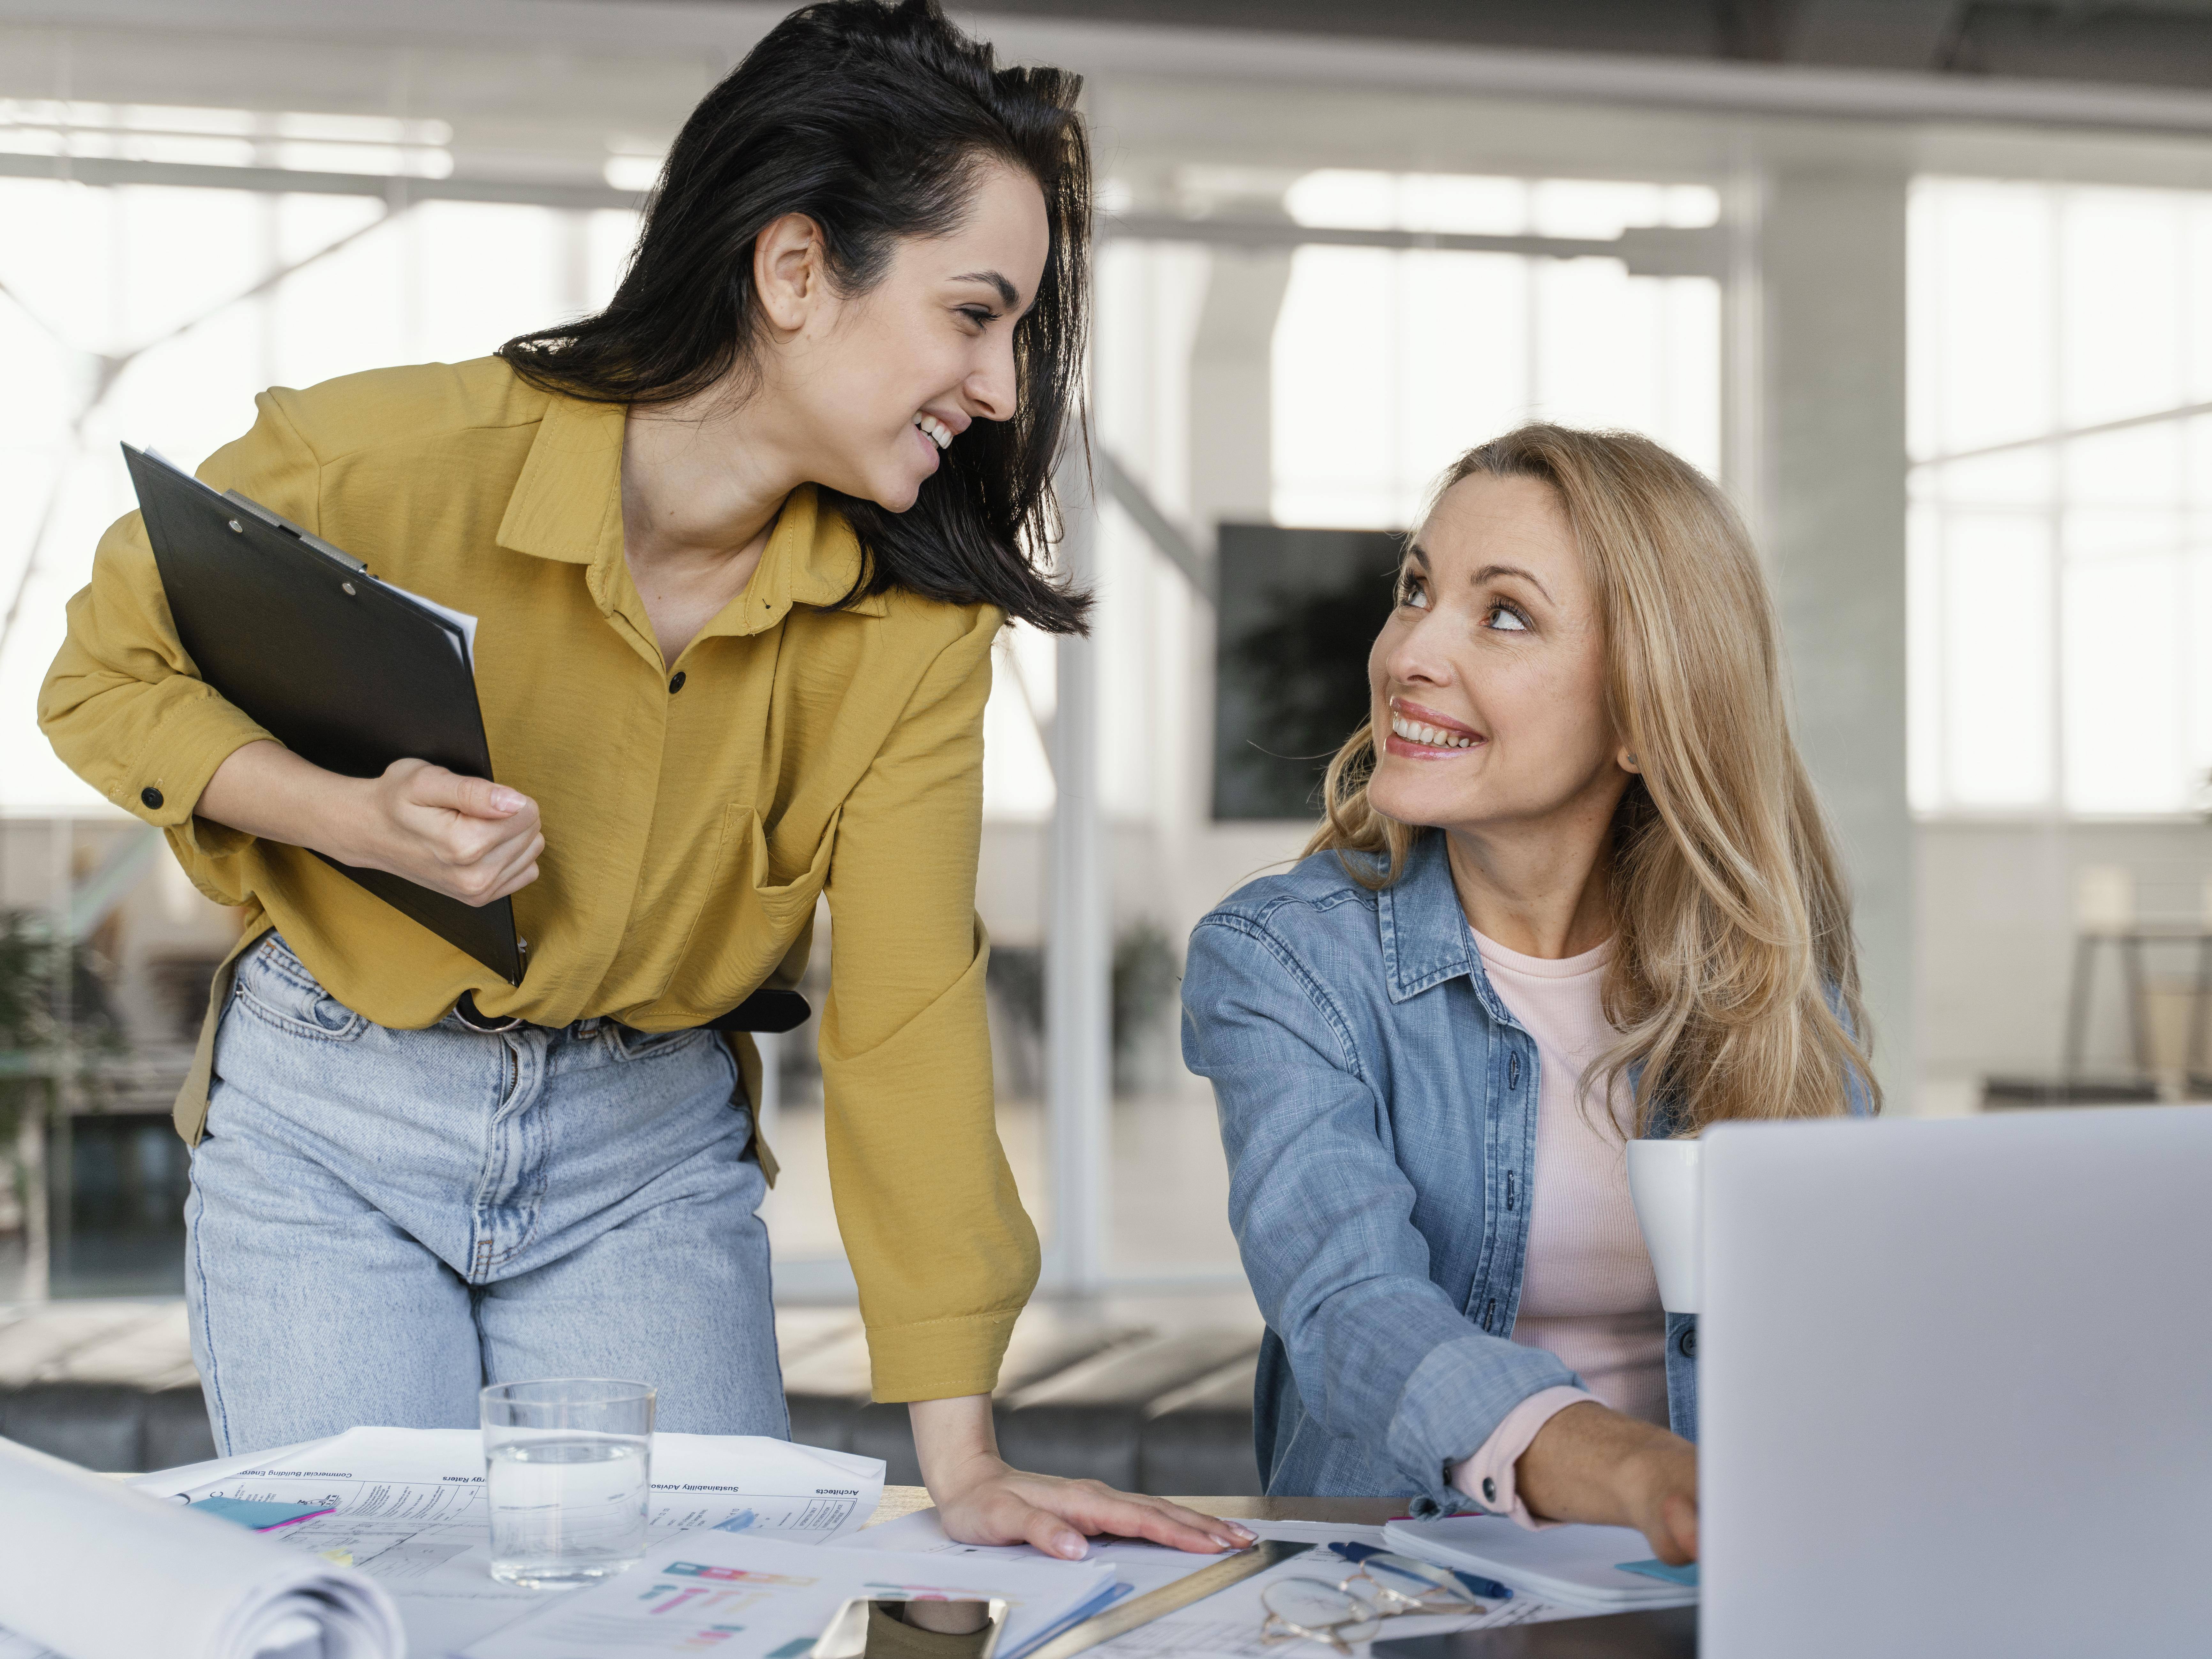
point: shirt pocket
(786, 903)
(759, 904)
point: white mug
(1665, 1181)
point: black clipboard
(342, 669)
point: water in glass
(567, 1509)
(569, 1479)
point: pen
(1475, 1584)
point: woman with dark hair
(739, 544)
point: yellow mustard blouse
(693, 810)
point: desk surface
(1345, 1511)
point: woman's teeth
(935, 430)
(1414, 732)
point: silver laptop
(1955, 1386)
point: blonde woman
(1579, 890)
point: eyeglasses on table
(1381, 1586)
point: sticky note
(258, 1516)
(1686, 1577)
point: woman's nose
(991, 388)
(1416, 656)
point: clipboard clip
(278, 521)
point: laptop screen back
(1955, 1386)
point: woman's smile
(1420, 733)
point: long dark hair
(875, 120)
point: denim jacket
(1378, 1107)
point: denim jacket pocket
(276, 988)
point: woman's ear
(788, 270)
(1625, 758)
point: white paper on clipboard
(459, 619)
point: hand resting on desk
(1592, 1463)
(981, 1499)
(468, 838)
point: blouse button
(1489, 1489)
(151, 799)
(676, 685)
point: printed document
(1144, 1567)
(1226, 1623)
(409, 1511)
(743, 1597)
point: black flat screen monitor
(1297, 613)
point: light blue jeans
(383, 1221)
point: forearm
(468, 838)
(264, 789)
(1591, 1463)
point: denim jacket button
(1689, 1343)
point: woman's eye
(1413, 592)
(978, 315)
(1504, 619)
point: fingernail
(1070, 1545)
(1244, 1533)
(507, 800)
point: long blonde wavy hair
(1734, 980)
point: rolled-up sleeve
(1323, 1219)
(122, 703)
(945, 1256)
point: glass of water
(570, 1474)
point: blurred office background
(1927, 284)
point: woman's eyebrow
(1008, 293)
(1490, 571)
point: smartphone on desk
(913, 1628)
(1649, 1633)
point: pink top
(1587, 1290)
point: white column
(1079, 940)
(1832, 256)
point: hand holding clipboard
(357, 677)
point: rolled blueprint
(95, 1571)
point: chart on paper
(747, 1598)
(403, 1500)
(408, 1507)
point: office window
(1387, 364)
(2061, 530)
(154, 313)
